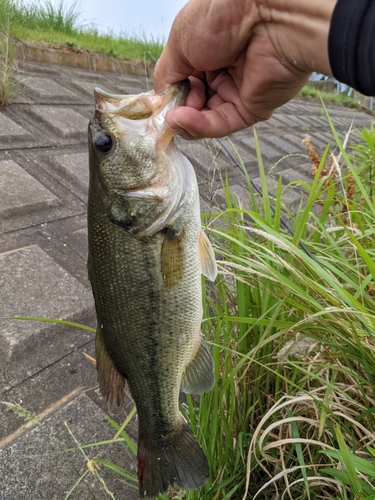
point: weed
(22, 412)
(7, 67)
(328, 97)
(364, 155)
(294, 345)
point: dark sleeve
(351, 44)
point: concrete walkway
(43, 251)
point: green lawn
(57, 25)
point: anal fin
(111, 381)
(199, 374)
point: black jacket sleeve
(351, 44)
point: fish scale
(146, 256)
(136, 272)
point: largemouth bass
(146, 255)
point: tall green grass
(294, 339)
(40, 16)
(291, 415)
(57, 24)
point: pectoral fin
(208, 262)
(199, 374)
(172, 259)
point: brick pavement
(43, 250)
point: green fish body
(146, 256)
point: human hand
(244, 59)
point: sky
(152, 17)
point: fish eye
(104, 142)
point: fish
(147, 252)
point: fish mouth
(141, 106)
(127, 116)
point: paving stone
(14, 180)
(116, 84)
(97, 77)
(27, 67)
(74, 172)
(88, 113)
(291, 108)
(336, 111)
(297, 139)
(87, 86)
(64, 122)
(129, 90)
(10, 131)
(36, 466)
(33, 284)
(49, 386)
(268, 125)
(308, 108)
(9, 128)
(296, 107)
(319, 141)
(70, 237)
(212, 166)
(283, 145)
(247, 142)
(32, 137)
(314, 123)
(46, 90)
(363, 119)
(296, 176)
(342, 122)
(47, 389)
(240, 154)
(291, 121)
(205, 155)
(65, 240)
(66, 204)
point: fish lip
(143, 106)
(178, 92)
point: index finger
(219, 122)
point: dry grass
(289, 441)
(8, 66)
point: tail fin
(178, 459)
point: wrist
(300, 30)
